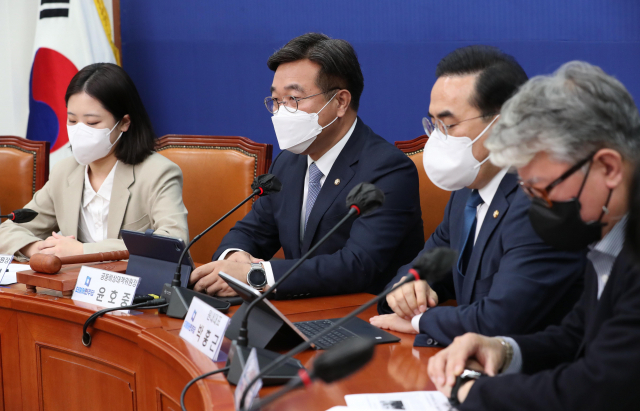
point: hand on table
(412, 299)
(393, 322)
(58, 245)
(468, 351)
(206, 277)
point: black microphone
(338, 362)
(431, 266)
(362, 199)
(23, 215)
(179, 298)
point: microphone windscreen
(23, 215)
(268, 183)
(366, 197)
(435, 264)
(343, 359)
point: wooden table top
(395, 366)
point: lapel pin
(496, 214)
(337, 181)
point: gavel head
(45, 263)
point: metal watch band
(508, 354)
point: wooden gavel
(50, 264)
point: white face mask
(297, 131)
(89, 144)
(449, 161)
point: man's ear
(343, 97)
(613, 166)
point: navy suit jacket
(514, 283)
(364, 253)
(589, 362)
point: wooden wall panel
(10, 388)
(88, 383)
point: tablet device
(154, 258)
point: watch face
(257, 278)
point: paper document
(414, 400)
(10, 275)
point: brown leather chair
(25, 169)
(433, 200)
(218, 172)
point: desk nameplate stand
(65, 280)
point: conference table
(137, 361)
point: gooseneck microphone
(335, 364)
(362, 199)
(431, 266)
(23, 215)
(179, 298)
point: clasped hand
(406, 302)
(206, 279)
(58, 245)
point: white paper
(204, 328)
(105, 288)
(5, 261)
(250, 371)
(410, 401)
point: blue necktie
(469, 230)
(315, 175)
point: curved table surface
(144, 350)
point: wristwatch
(257, 277)
(467, 375)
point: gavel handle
(94, 258)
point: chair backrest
(25, 169)
(218, 172)
(433, 200)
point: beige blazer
(147, 195)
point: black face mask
(561, 226)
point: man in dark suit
(574, 137)
(327, 150)
(506, 279)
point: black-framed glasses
(430, 125)
(290, 103)
(543, 193)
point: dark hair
(114, 89)
(499, 78)
(339, 66)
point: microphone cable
(86, 337)
(193, 381)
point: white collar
(325, 162)
(105, 189)
(489, 191)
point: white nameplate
(250, 371)
(5, 260)
(105, 288)
(204, 328)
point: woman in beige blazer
(114, 181)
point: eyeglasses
(290, 103)
(430, 125)
(543, 193)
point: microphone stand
(306, 344)
(179, 298)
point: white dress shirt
(324, 164)
(94, 216)
(486, 193)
